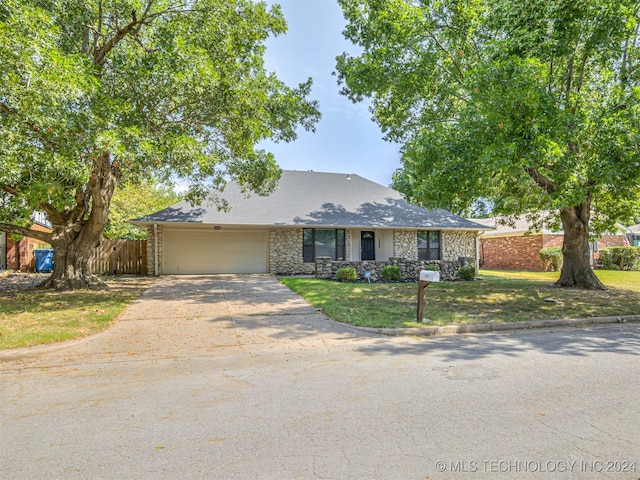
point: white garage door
(204, 251)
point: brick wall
(603, 242)
(511, 253)
(20, 255)
(522, 253)
(552, 240)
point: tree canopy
(531, 105)
(136, 200)
(99, 92)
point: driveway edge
(19, 353)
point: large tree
(533, 105)
(133, 200)
(98, 92)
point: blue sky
(346, 139)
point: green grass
(34, 317)
(498, 296)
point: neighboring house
(517, 247)
(19, 255)
(311, 224)
(633, 236)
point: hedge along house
(312, 224)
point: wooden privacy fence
(120, 256)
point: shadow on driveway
(203, 315)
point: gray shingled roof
(314, 199)
(497, 227)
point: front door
(367, 246)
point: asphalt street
(208, 378)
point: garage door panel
(208, 251)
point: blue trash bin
(44, 260)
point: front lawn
(33, 317)
(498, 296)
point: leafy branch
(26, 232)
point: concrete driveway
(182, 316)
(235, 377)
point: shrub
(433, 268)
(552, 258)
(346, 274)
(391, 272)
(620, 258)
(468, 272)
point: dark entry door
(368, 246)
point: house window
(323, 242)
(428, 245)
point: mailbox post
(426, 277)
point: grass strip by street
(498, 296)
(34, 317)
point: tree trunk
(76, 235)
(77, 229)
(71, 252)
(576, 267)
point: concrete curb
(496, 327)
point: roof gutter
(480, 229)
(478, 235)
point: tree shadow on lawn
(534, 301)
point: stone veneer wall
(405, 244)
(285, 253)
(455, 245)
(409, 269)
(151, 250)
(458, 249)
